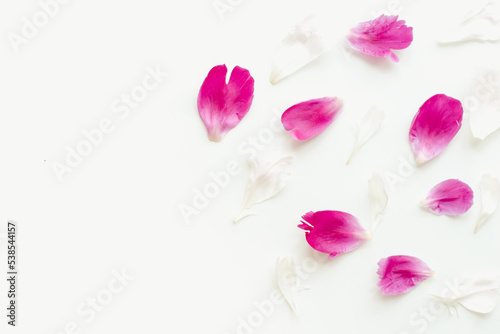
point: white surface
(120, 207)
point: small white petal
(378, 200)
(288, 281)
(478, 293)
(490, 197)
(484, 114)
(370, 124)
(266, 179)
(480, 24)
(304, 43)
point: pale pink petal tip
(380, 36)
(333, 232)
(451, 197)
(400, 273)
(434, 126)
(222, 106)
(308, 119)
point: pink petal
(380, 36)
(434, 126)
(308, 119)
(333, 232)
(400, 273)
(222, 106)
(450, 197)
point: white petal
(366, 129)
(288, 281)
(378, 200)
(481, 302)
(304, 43)
(480, 24)
(265, 180)
(478, 293)
(484, 114)
(490, 196)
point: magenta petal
(434, 126)
(222, 106)
(308, 119)
(380, 36)
(333, 232)
(450, 197)
(400, 273)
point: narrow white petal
(304, 43)
(490, 197)
(266, 179)
(369, 125)
(484, 112)
(477, 293)
(480, 24)
(378, 200)
(288, 281)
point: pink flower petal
(434, 126)
(380, 36)
(450, 197)
(222, 106)
(333, 232)
(400, 273)
(308, 119)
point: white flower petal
(478, 293)
(480, 24)
(378, 200)
(484, 113)
(304, 43)
(265, 180)
(288, 281)
(490, 197)
(367, 128)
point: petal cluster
(434, 126)
(451, 197)
(308, 119)
(401, 273)
(222, 106)
(380, 36)
(333, 232)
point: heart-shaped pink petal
(222, 106)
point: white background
(119, 209)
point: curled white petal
(480, 24)
(369, 125)
(266, 179)
(484, 109)
(490, 197)
(378, 200)
(304, 43)
(288, 281)
(478, 293)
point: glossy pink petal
(333, 232)
(434, 126)
(380, 36)
(451, 197)
(400, 273)
(308, 119)
(222, 106)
